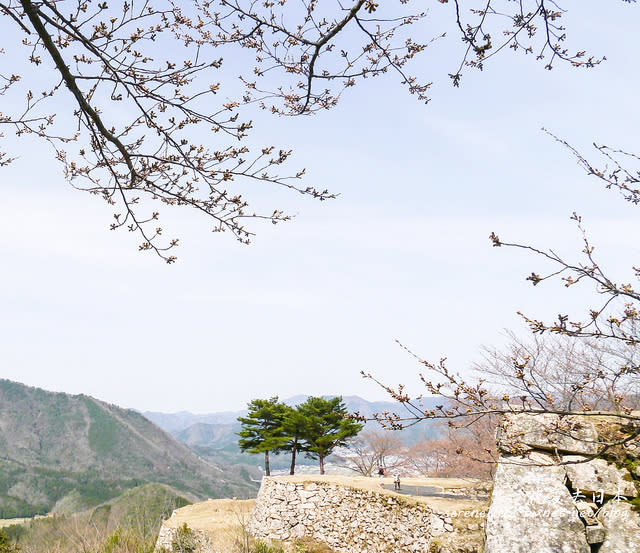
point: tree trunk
(293, 457)
(267, 469)
(321, 464)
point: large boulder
(596, 476)
(532, 510)
(520, 432)
(622, 526)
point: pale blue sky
(402, 253)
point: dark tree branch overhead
(144, 77)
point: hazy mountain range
(174, 423)
(214, 435)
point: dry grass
(222, 520)
(213, 515)
(366, 482)
(4, 522)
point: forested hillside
(59, 451)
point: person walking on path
(396, 481)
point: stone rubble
(168, 533)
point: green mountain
(57, 449)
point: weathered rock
(532, 510)
(599, 477)
(521, 431)
(473, 526)
(595, 534)
(622, 525)
(587, 511)
(437, 525)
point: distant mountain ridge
(56, 444)
(174, 423)
(204, 434)
(214, 435)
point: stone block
(587, 511)
(307, 494)
(532, 510)
(595, 534)
(521, 431)
(622, 525)
(596, 476)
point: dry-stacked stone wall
(347, 519)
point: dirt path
(432, 491)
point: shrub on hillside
(6, 545)
(262, 547)
(184, 541)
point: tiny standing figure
(381, 475)
(396, 481)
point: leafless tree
(610, 329)
(430, 457)
(466, 452)
(562, 372)
(374, 448)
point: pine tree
(262, 428)
(295, 427)
(327, 426)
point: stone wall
(347, 519)
(558, 490)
